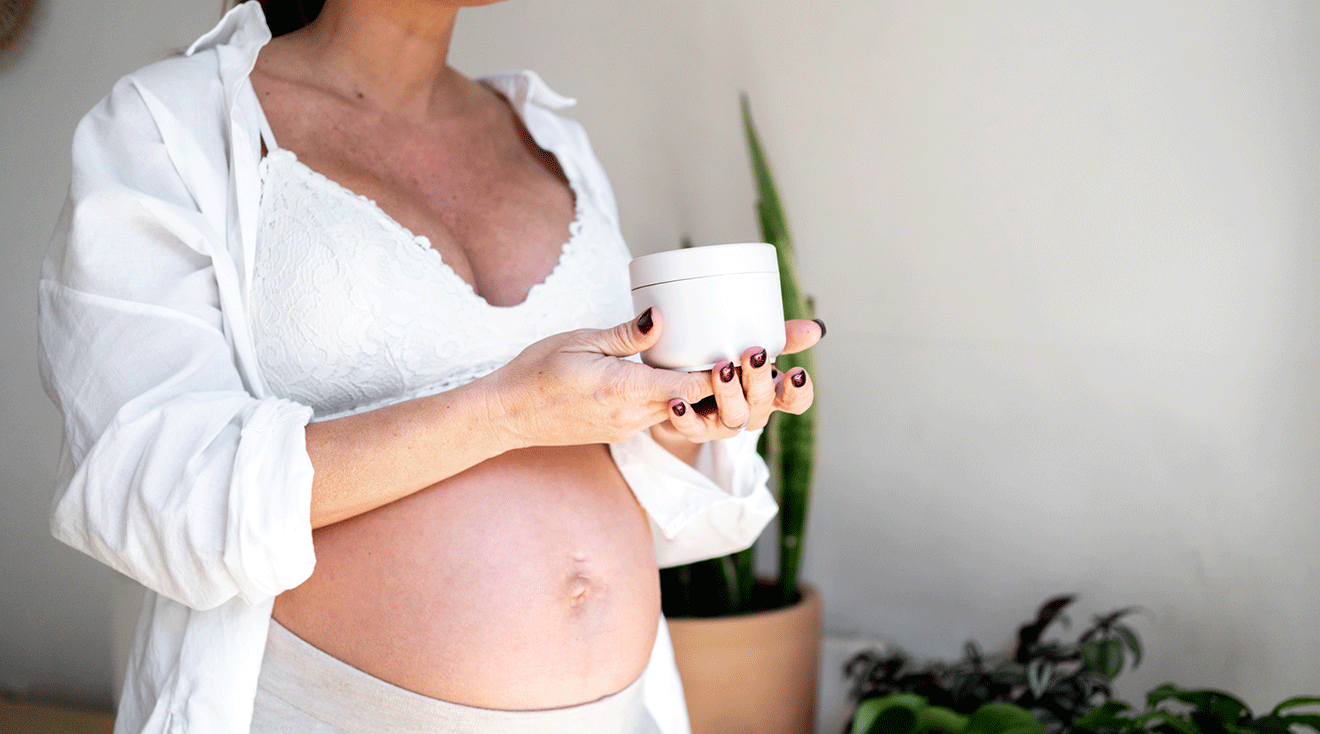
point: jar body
(710, 319)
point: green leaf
(1039, 674)
(1106, 714)
(938, 717)
(1308, 720)
(1009, 672)
(998, 718)
(1296, 701)
(745, 572)
(892, 714)
(1104, 657)
(1221, 706)
(1175, 722)
(1270, 725)
(1133, 642)
(1159, 693)
(796, 440)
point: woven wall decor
(14, 15)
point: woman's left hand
(745, 394)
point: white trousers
(303, 690)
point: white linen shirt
(179, 468)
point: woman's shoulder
(178, 102)
(180, 84)
(192, 86)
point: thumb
(627, 338)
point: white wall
(1066, 253)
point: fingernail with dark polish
(799, 378)
(758, 360)
(821, 324)
(726, 373)
(644, 322)
(774, 372)
(679, 408)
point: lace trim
(350, 313)
(566, 250)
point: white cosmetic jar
(715, 303)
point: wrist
(502, 414)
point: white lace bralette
(352, 311)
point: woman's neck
(389, 54)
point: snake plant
(727, 585)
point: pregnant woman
(338, 337)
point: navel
(579, 590)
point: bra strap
(267, 135)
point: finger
(657, 386)
(800, 334)
(794, 392)
(758, 386)
(734, 411)
(623, 340)
(686, 421)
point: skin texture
(479, 545)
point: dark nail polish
(799, 378)
(680, 409)
(726, 373)
(644, 322)
(821, 324)
(758, 360)
(774, 372)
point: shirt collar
(243, 26)
(522, 87)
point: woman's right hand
(573, 388)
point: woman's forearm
(367, 460)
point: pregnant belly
(526, 582)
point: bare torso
(529, 580)
(526, 582)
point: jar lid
(703, 262)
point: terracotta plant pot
(751, 673)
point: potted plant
(1057, 682)
(1059, 687)
(724, 621)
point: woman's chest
(497, 218)
(351, 310)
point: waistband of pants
(341, 696)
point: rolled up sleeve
(718, 507)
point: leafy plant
(1171, 710)
(906, 713)
(1058, 682)
(727, 585)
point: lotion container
(715, 302)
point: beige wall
(1067, 254)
